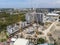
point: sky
(29, 3)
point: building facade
(35, 17)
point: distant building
(34, 17)
(57, 12)
(12, 28)
(51, 17)
(15, 27)
(39, 17)
(42, 10)
(30, 17)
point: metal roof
(21, 41)
(52, 14)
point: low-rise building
(15, 27)
(12, 28)
(51, 17)
(21, 41)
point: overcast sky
(29, 3)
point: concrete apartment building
(39, 17)
(42, 17)
(15, 27)
(35, 17)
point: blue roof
(43, 44)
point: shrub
(40, 41)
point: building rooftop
(21, 41)
(52, 14)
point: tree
(40, 41)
